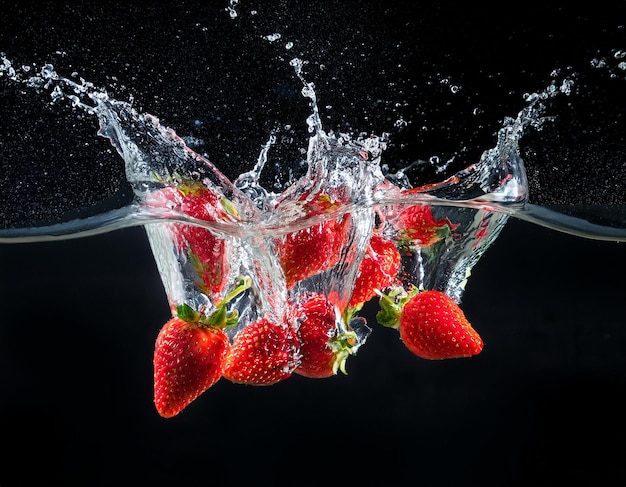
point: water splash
(478, 200)
(498, 179)
(232, 8)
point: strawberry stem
(392, 304)
(243, 283)
(342, 346)
(220, 317)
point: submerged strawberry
(416, 225)
(431, 325)
(314, 249)
(263, 353)
(206, 252)
(323, 345)
(377, 270)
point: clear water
(478, 199)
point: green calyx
(220, 317)
(229, 207)
(342, 347)
(443, 231)
(392, 304)
(407, 240)
(190, 187)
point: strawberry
(323, 345)
(416, 225)
(189, 354)
(431, 325)
(263, 353)
(206, 252)
(188, 359)
(377, 270)
(314, 249)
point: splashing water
(246, 222)
(479, 199)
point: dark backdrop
(542, 405)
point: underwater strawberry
(263, 353)
(431, 325)
(416, 225)
(377, 270)
(323, 346)
(188, 359)
(206, 252)
(314, 249)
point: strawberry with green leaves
(377, 270)
(206, 252)
(324, 345)
(188, 360)
(314, 249)
(416, 224)
(432, 325)
(190, 353)
(263, 353)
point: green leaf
(392, 304)
(221, 317)
(187, 313)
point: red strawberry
(377, 270)
(263, 353)
(323, 346)
(314, 249)
(188, 359)
(432, 325)
(416, 224)
(190, 353)
(206, 252)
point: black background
(542, 405)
